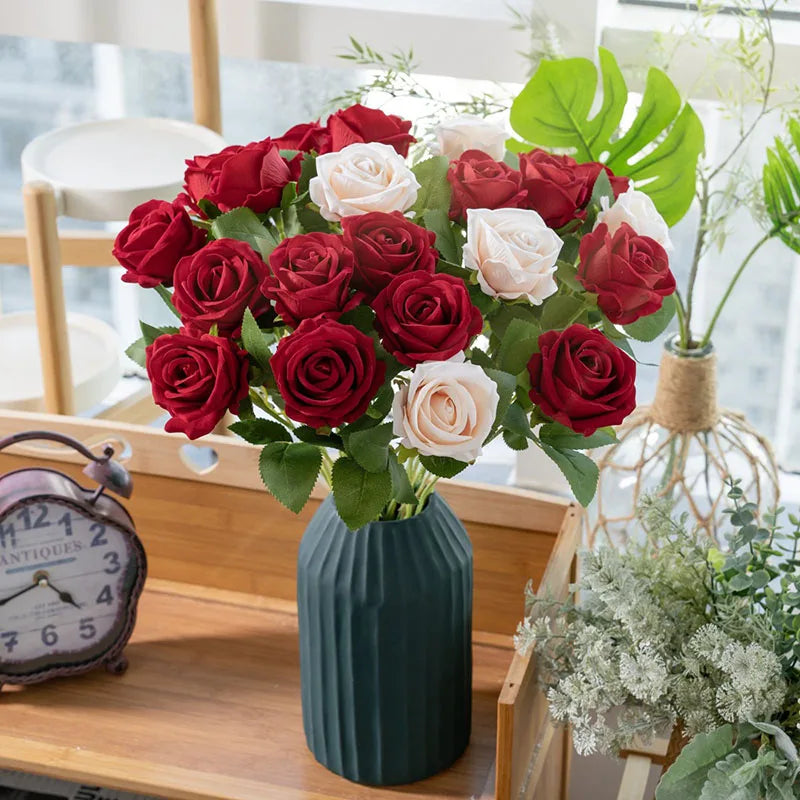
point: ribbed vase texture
(385, 615)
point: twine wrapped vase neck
(686, 394)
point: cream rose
(457, 135)
(448, 409)
(361, 178)
(514, 252)
(638, 210)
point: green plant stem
(699, 247)
(166, 296)
(738, 274)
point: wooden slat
(155, 453)
(44, 259)
(204, 47)
(78, 248)
(209, 709)
(523, 731)
(634, 779)
(211, 529)
(137, 409)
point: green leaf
(289, 470)
(254, 341)
(561, 437)
(312, 221)
(359, 495)
(660, 149)
(567, 273)
(434, 192)
(687, 776)
(370, 447)
(305, 433)
(244, 225)
(740, 582)
(151, 333)
(136, 352)
(260, 431)
(166, 296)
(516, 441)
(651, 327)
(402, 491)
(519, 343)
(561, 311)
(579, 470)
(506, 385)
(438, 221)
(208, 208)
(781, 183)
(443, 466)
(516, 421)
(308, 170)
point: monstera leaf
(781, 180)
(660, 149)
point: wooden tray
(210, 707)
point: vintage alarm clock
(71, 568)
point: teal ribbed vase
(385, 616)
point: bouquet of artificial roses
(376, 318)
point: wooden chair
(95, 171)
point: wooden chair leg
(44, 260)
(204, 45)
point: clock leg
(118, 665)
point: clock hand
(20, 592)
(64, 597)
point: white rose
(638, 210)
(448, 409)
(361, 178)
(460, 134)
(514, 252)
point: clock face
(65, 587)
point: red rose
(327, 373)
(217, 283)
(591, 169)
(555, 186)
(478, 181)
(424, 317)
(196, 379)
(252, 176)
(630, 274)
(310, 277)
(385, 245)
(582, 380)
(157, 236)
(307, 136)
(361, 124)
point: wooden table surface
(210, 708)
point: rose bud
(630, 274)
(447, 409)
(582, 380)
(217, 283)
(385, 245)
(196, 380)
(310, 278)
(327, 373)
(424, 317)
(253, 176)
(361, 124)
(478, 181)
(157, 236)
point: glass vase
(683, 446)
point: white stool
(95, 171)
